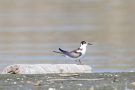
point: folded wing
(73, 54)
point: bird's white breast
(82, 50)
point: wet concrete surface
(90, 81)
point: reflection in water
(30, 32)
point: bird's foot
(79, 62)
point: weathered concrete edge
(46, 68)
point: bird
(76, 54)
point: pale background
(31, 29)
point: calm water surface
(27, 47)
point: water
(34, 48)
(29, 32)
(91, 81)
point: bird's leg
(76, 60)
(80, 61)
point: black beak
(90, 44)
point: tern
(76, 54)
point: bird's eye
(83, 42)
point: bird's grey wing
(63, 51)
(58, 52)
(74, 54)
